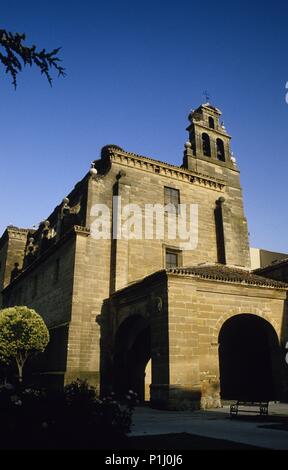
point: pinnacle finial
(93, 171)
(207, 96)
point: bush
(73, 418)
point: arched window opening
(220, 150)
(211, 123)
(206, 145)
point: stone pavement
(246, 428)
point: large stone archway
(249, 359)
(132, 352)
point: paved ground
(267, 432)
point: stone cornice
(82, 230)
(164, 169)
(15, 233)
(216, 130)
(13, 229)
(228, 275)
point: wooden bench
(237, 407)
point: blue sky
(134, 71)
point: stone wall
(262, 258)
(140, 184)
(48, 289)
(90, 286)
(12, 248)
(197, 311)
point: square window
(172, 197)
(172, 259)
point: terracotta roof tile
(271, 266)
(227, 274)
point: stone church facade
(182, 327)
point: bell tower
(209, 142)
(208, 152)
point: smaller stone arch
(121, 315)
(131, 354)
(211, 122)
(220, 150)
(206, 145)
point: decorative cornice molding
(217, 129)
(13, 229)
(15, 233)
(211, 273)
(164, 169)
(228, 275)
(82, 230)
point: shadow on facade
(284, 351)
(132, 353)
(48, 368)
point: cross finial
(207, 96)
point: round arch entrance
(132, 352)
(249, 359)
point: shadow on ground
(185, 441)
(274, 422)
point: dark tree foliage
(14, 55)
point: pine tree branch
(14, 55)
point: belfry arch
(249, 359)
